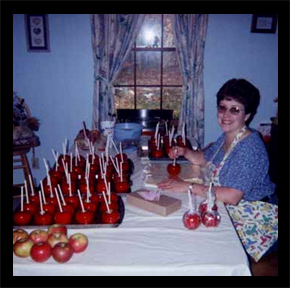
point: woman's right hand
(177, 151)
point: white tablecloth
(148, 244)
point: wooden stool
(19, 156)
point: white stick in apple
(61, 195)
(117, 151)
(190, 200)
(106, 202)
(41, 205)
(81, 201)
(26, 192)
(42, 192)
(21, 205)
(31, 185)
(58, 201)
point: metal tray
(97, 223)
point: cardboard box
(165, 206)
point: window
(151, 77)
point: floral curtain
(113, 36)
(190, 33)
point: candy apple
(57, 228)
(73, 200)
(122, 187)
(157, 153)
(86, 217)
(65, 188)
(210, 218)
(64, 217)
(57, 174)
(191, 220)
(90, 206)
(34, 199)
(30, 207)
(203, 207)
(22, 218)
(38, 236)
(95, 197)
(113, 206)
(119, 157)
(40, 252)
(62, 252)
(52, 200)
(111, 217)
(79, 242)
(173, 169)
(19, 234)
(77, 169)
(22, 247)
(68, 207)
(43, 218)
(49, 207)
(101, 186)
(57, 237)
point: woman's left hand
(175, 185)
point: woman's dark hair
(243, 92)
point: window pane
(148, 98)
(126, 76)
(148, 68)
(124, 98)
(171, 70)
(151, 28)
(172, 99)
(168, 40)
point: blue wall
(58, 86)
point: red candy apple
(62, 252)
(122, 187)
(173, 169)
(111, 217)
(84, 217)
(203, 207)
(211, 218)
(63, 217)
(43, 218)
(79, 242)
(22, 247)
(40, 252)
(22, 218)
(191, 220)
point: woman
(238, 161)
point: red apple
(62, 252)
(55, 238)
(113, 206)
(22, 218)
(19, 234)
(40, 252)
(30, 207)
(38, 236)
(191, 220)
(122, 187)
(22, 247)
(203, 207)
(79, 242)
(157, 153)
(49, 207)
(90, 206)
(57, 228)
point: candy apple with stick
(21, 218)
(48, 207)
(42, 217)
(109, 216)
(34, 198)
(210, 218)
(84, 216)
(191, 218)
(28, 205)
(173, 168)
(61, 216)
(66, 206)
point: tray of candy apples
(159, 146)
(79, 192)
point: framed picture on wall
(264, 23)
(37, 35)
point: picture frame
(264, 23)
(37, 32)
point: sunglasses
(233, 110)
